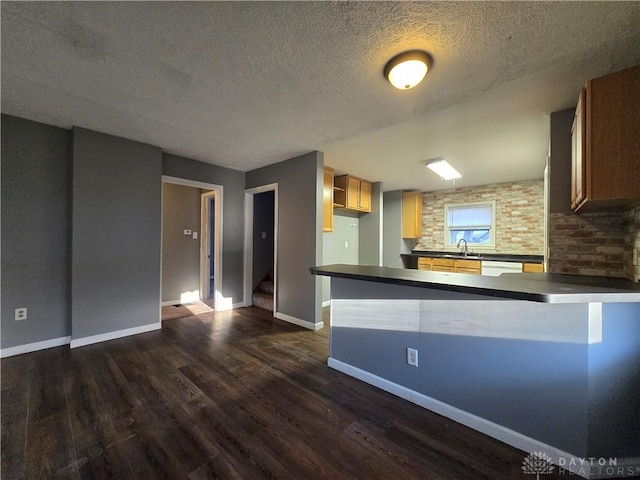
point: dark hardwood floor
(234, 395)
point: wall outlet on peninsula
(412, 356)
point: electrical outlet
(187, 232)
(346, 244)
(21, 313)
(412, 356)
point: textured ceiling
(246, 84)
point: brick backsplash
(587, 244)
(519, 215)
(595, 243)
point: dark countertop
(494, 257)
(537, 287)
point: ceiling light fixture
(443, 168)
(407, 69)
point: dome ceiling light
(407, 69)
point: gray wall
(180, 253)
(116, 230)
(371, 230)
(263, 221)
(36, 231)
(392, 243)
(345, 229)
(579, 397)
(560, 162)
(116, 234)
(300, 232)
(614, 383)
(232, 182)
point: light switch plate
(195, 235)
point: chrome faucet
(466, 249)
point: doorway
(208, 245)
(260, 234)
(204, 281)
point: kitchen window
(474, 222)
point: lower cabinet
(468, 266)
(425, 263)
(437, 264)
(444, 265)
(533, 268)
(458, 265)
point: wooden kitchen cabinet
(578, 157)
(352, 193)
(455, 265)
(425, 263)
(606, 143)
(444, 265)
(365, 196)
(411, 214)
(327, 200)
(533, 268)
(468, 266)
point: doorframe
(218, 191)
(248, 243)
(205, 241)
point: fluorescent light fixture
(442, 168)
(406, 70)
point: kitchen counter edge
(536, 287)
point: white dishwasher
(493, 269)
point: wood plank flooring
(233, 395)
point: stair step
(262, 300)
(266, 287)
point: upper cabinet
(327, 200)
(352, 193)
(411, 214)
(606, 142)
(578, 157)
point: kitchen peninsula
(543, 362)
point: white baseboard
(170, 302)
(103, 337)
(470, 420)
(298, 321)
(34, 347)
(327, 303)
